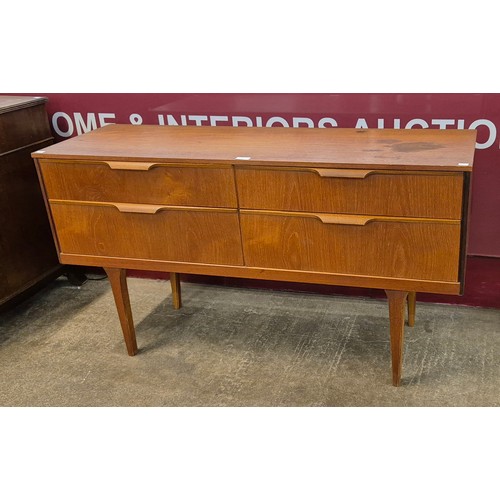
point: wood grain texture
(368, 281)
(9, 103)
(47, 208)
(204, 236)
(426, 251)
(412, 305)
(26, 126)
(397, 302)
(118, 281)
(348, 219)
(431, 149)
(161, 184)
(398, 194)
(175, 283)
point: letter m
(81, 126)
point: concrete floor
(240, 347)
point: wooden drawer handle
(134, 208)
(363, 220)
(130, 165)
(346, 220)
(342, 173)
(139, 208)
(142, 208)
(350, 220)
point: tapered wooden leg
(412, 304)
(175, 283)
(118, 280)
(397, 306)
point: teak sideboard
(369, 208)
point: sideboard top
(428, 149)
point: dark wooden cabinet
(28, 256)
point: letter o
(417, 121)
(55, 124)
(492, 129)
(276, 119)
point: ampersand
(135, 119)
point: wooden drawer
(369, 246)
(149, 232)
(140, 182)
(414, 194)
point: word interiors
(65, 125)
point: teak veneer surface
(426, 148)
(202, 236)
(398, 194)
(412, 250)
(160, 185)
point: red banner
(73, 114)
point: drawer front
(421, 250)
(136, 182)
(381, 193)
(206, 236)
